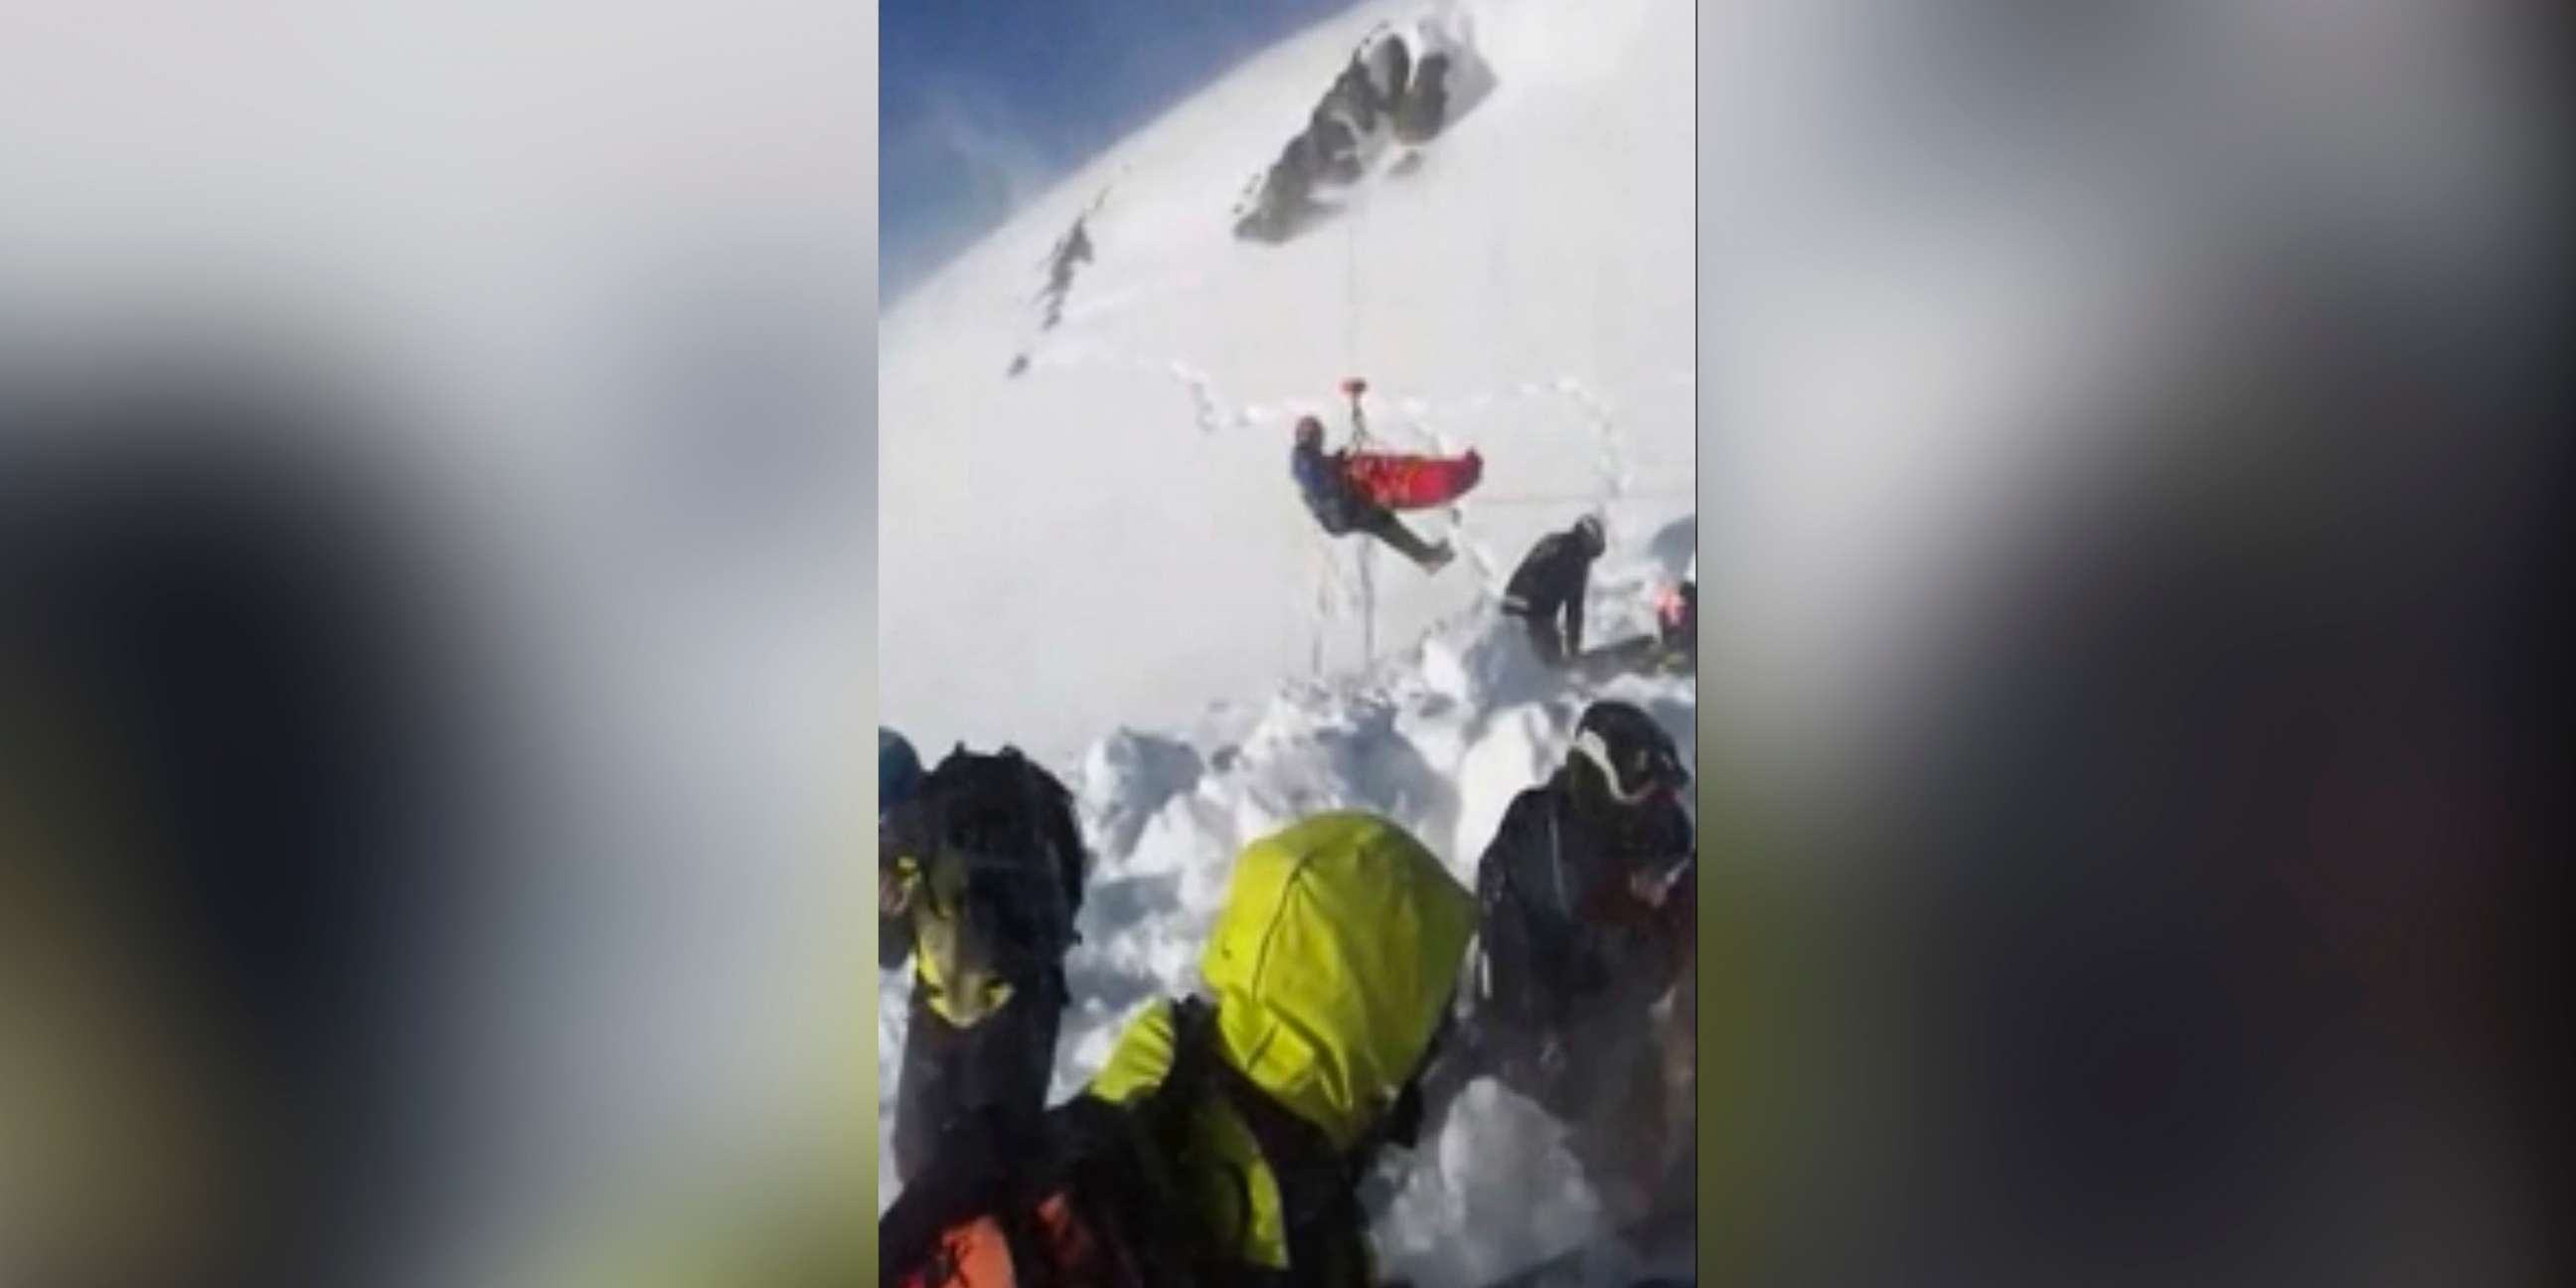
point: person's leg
(1383, 525)
(1546, 640)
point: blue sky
(982, 103)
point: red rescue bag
(1401, 482)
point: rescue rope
(1368, 607)
(1584, 498)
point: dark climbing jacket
(1551, 580)
(1561, 930)
(1327, 491)
(1573, 963)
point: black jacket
(1560, 929)
(1552, 579)
(1337, 507)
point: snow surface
(1103, 560)
(1123, 509)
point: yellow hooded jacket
(1332, 964)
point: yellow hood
(1332, 963)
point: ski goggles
(1636, 776)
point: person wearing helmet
(1341, 508)
(980, 870)
(1546, 591)
(1586, 902)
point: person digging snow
(1546, 591)
(1340, 507)
(980, 868)
(1586, 906)
(1224, 1140)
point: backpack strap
(1120, 1168)
(1318, 1184)
(1167, 1111)
(1318, 1187)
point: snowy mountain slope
(1102, 558)
(1111, 537)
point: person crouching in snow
(1546, 591)
(1224, 1140)
(980, 868)
(1587, 904)
(1340, 507)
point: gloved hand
(894, 891)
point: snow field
(1103, 560)
(1111, 538)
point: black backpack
(1015, 823)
